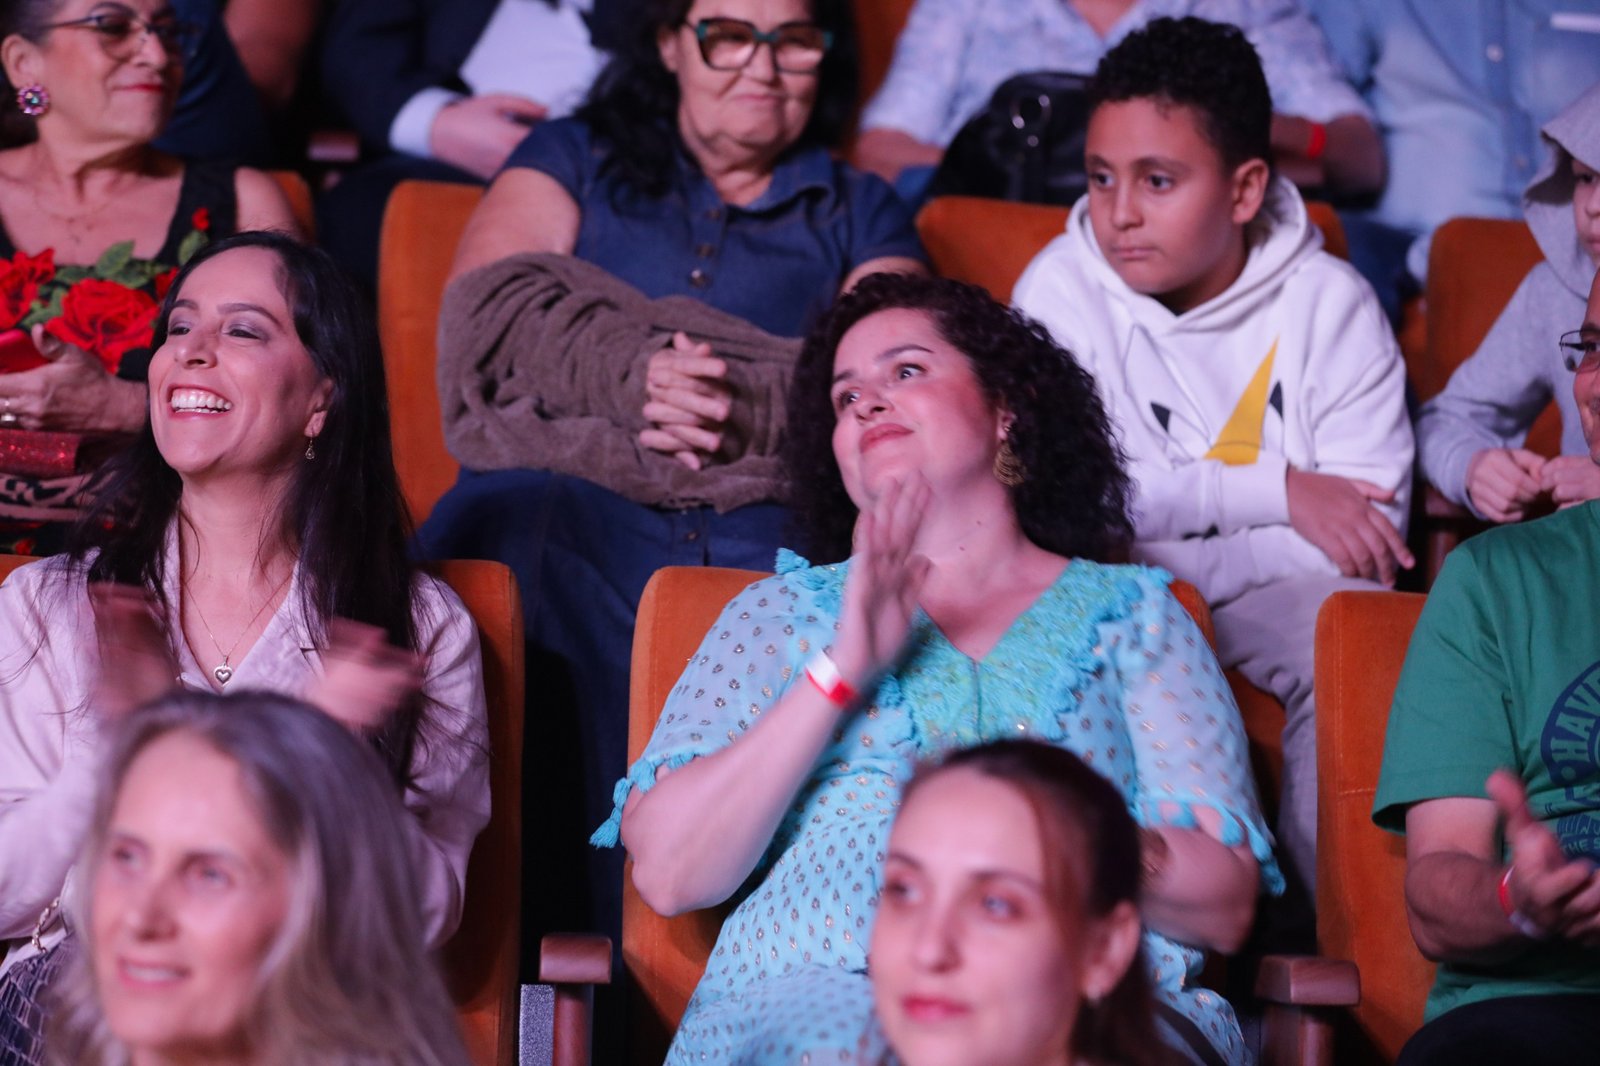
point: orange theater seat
(1361, 643)
(480, 960)
(421, 227)
(878, 25)
(298, 193)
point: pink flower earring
(33, 100)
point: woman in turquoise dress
(974, 466)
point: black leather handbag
(1026, 144)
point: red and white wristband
(1519, 921)
(823, 672)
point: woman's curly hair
(1075, 492)
(633, 105)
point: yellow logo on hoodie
(1239, 443)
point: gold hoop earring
(1008, 468)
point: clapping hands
(364, 678)
(886, 578)
(1559, 895)
(136, 661)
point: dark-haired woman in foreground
(1007, 930)
(974, 460)
(260, 513)
(248, 900)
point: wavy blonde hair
(348, 980)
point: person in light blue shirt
(953, 54)
(1459, 92)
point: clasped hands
(1559, 895)
(688, 401)
(1504, 483)
(1337, 514)
(364, 678)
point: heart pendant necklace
(223, 671)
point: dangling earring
(33, 100)
(311, 447)
(1008, 469)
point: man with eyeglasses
(1491, 769)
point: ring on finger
(8, 417)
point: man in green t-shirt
(1491, 769)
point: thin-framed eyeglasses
(730, 44)
(1580, 350)
(121, 33)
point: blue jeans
(581, 555)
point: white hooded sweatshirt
(1292, 364)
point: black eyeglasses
(1580, 350)
(730, 44)
(121, 33)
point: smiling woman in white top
(258, 510)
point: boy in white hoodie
(1254, 381)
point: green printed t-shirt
(1504, 671)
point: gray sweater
(1494, 396)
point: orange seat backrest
(1474, 267)
(480, 960)
(990, 242)
(1361, 644)
(666, 956)
(298, 193)
(878, 25)
(421, 227)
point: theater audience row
(638, 409)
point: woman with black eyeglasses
(94, 223)
(616, 344)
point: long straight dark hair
(342, 512)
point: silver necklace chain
(223, 671)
